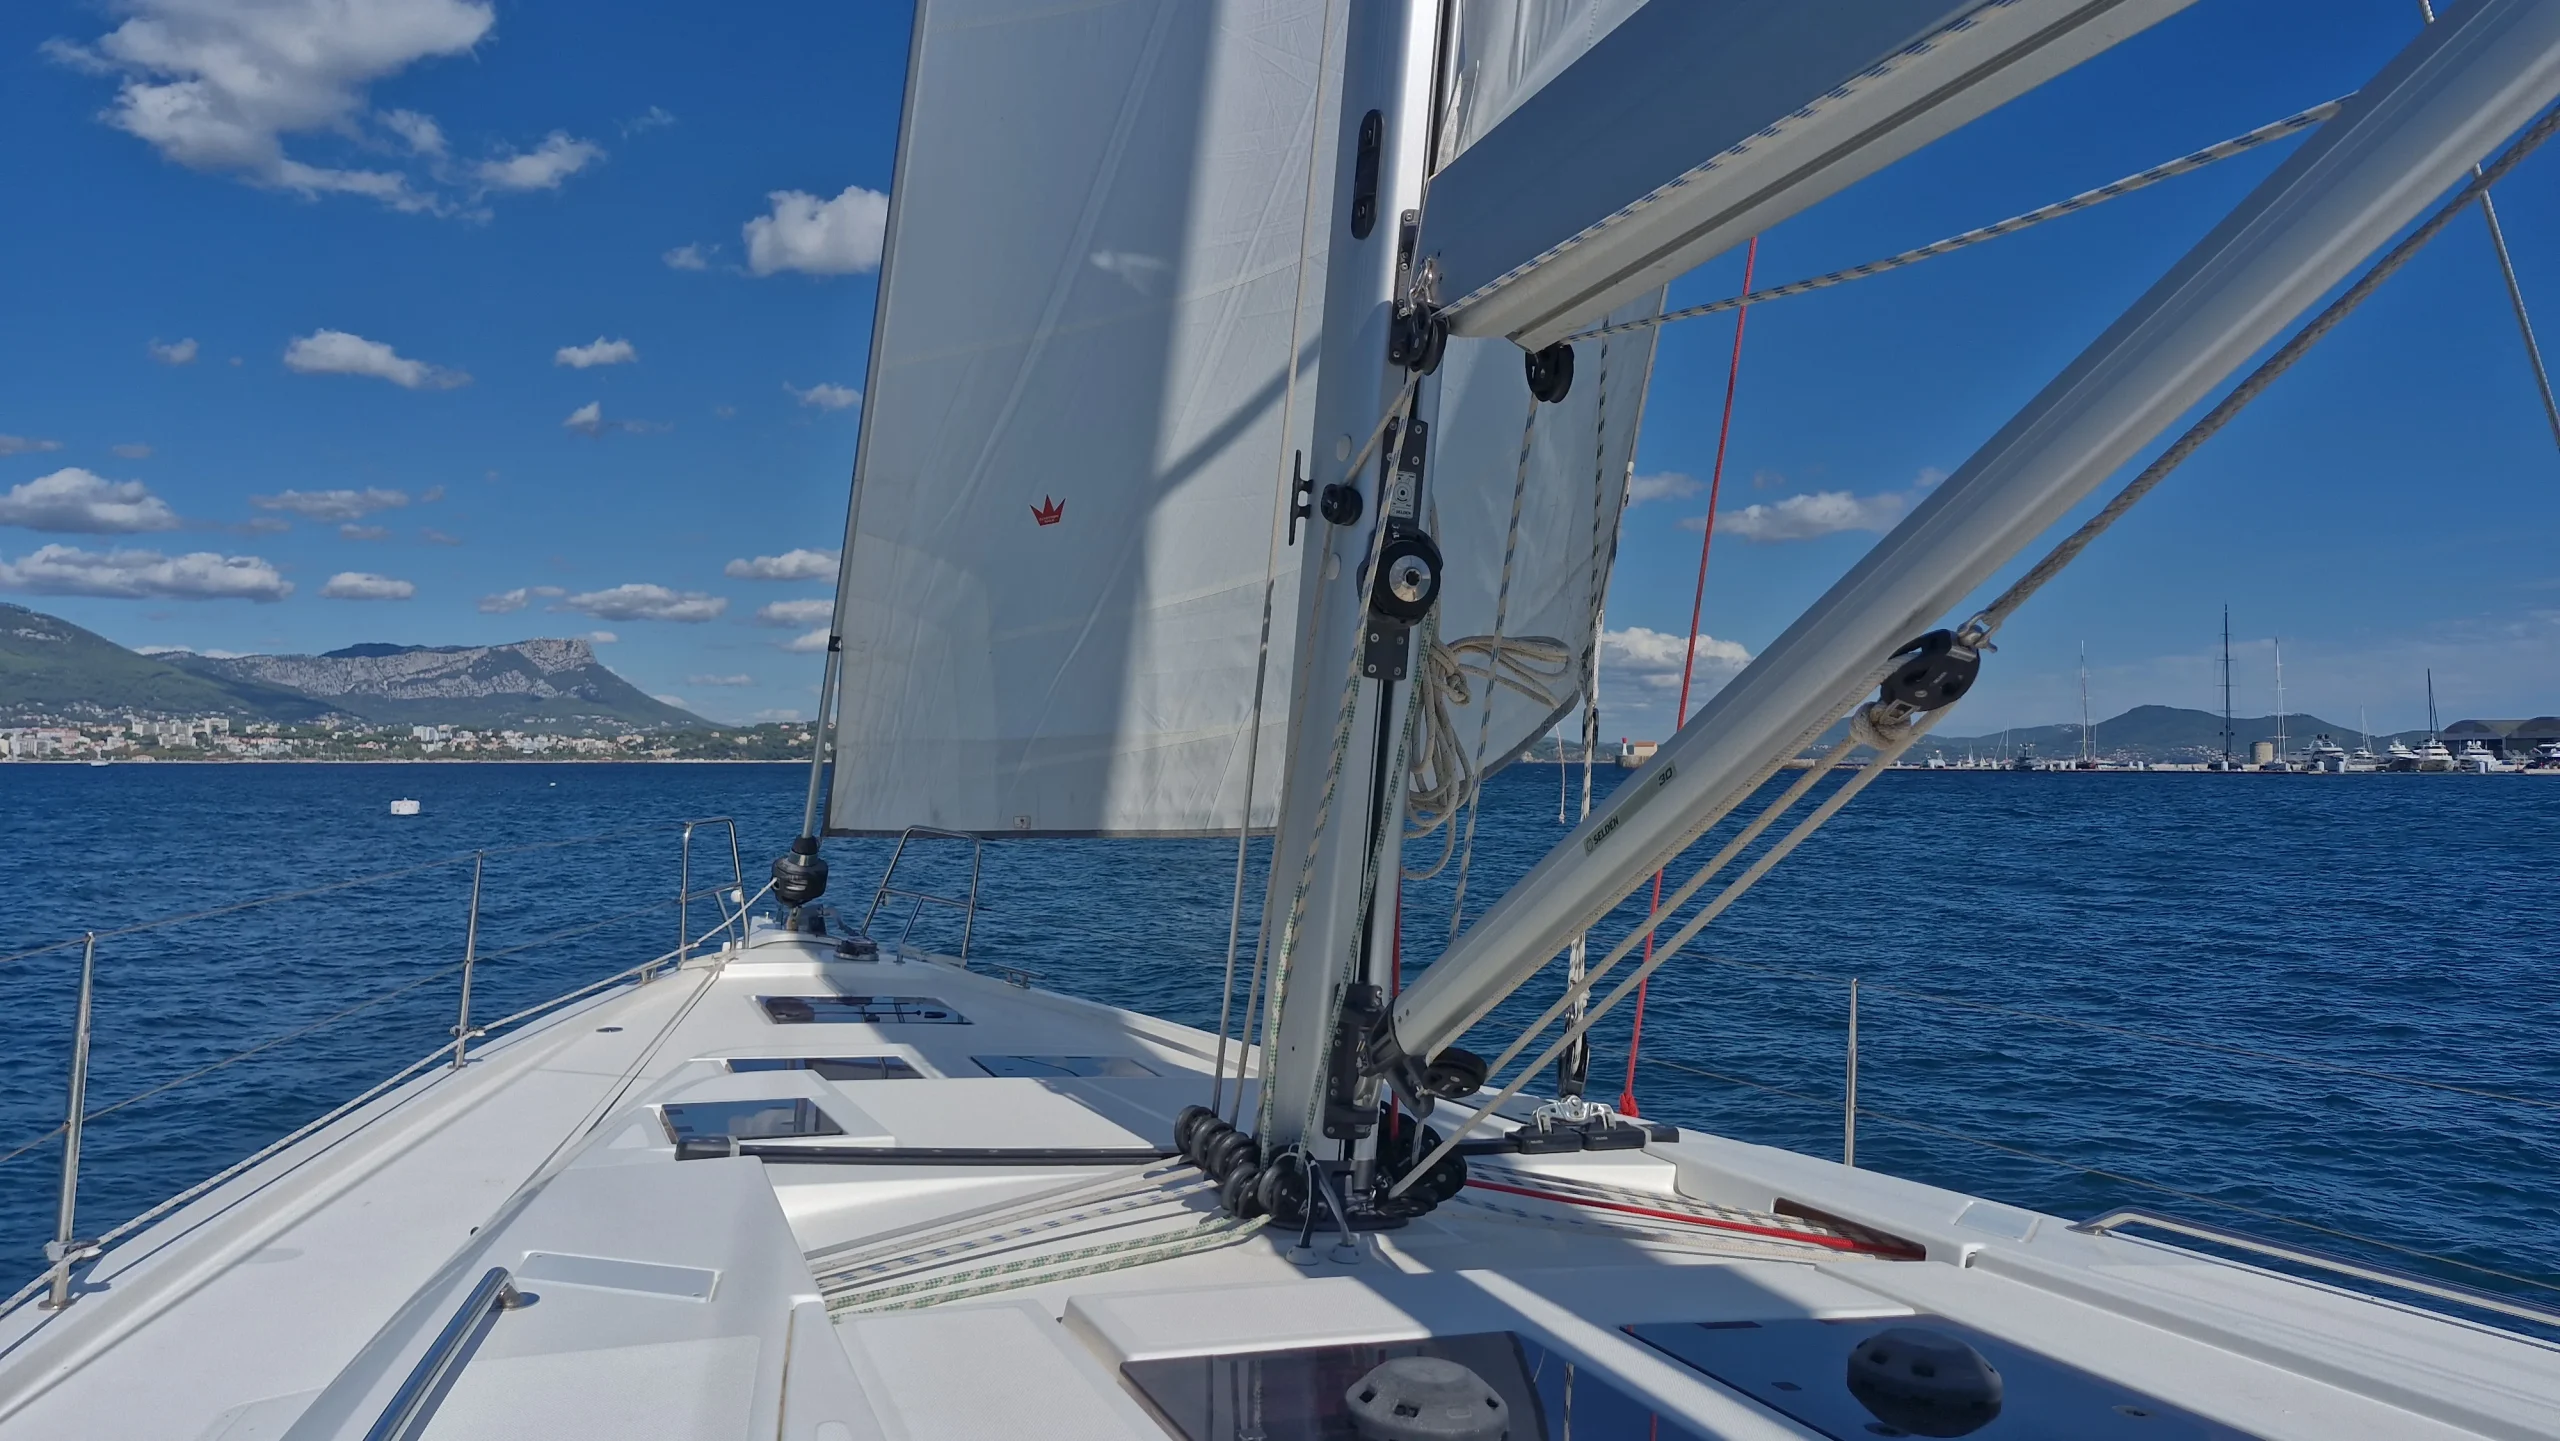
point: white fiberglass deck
(1094, 1295)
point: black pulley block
(1454, 1074)
(1340, 504)
(1935, 670)
(1416, 339)
(1551, 372)
(1408, 578)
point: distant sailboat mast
(2088, 751)
(2280, 736)
(2227, 736)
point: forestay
(1072, 461)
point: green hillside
(2155, 732)
(50, 668)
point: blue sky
(325, 330)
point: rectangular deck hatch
(746, 1120)
(832, 1068)
(1061, 1066)
(859, 1010)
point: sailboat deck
(869, 1287)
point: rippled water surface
(2078, 991)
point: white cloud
(131, 450)
(558, 157)
(176, 352)
(790, 565)
(814, 641)
(217, 87)
(332, 504)
(1653, 658)
(21, 445)
(590, 419)
(719, 680)
(1824, 512)
(433, 536)
(818, 237)
(654, 118)
(431, 495)
(336, 352)
(1805, 517)
(640, 601)
(74, 501)
(353, 531)
(134, 574)
(517, 599)
(600, 352)
(1668, 485)
(788, 713)
(423, 135)
(824, 396)
(602, 637)
(364, 585)
(686, 257)
(789, 614)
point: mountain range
(52, 669)
(2158, 733)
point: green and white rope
(1212, 1232)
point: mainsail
(1073, 463)
(1526, 509)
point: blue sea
(2214, 996)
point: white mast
(2280, 736)
(2469, 81)
(1341, 818)
(2088, 752)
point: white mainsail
(1567, 465)
(1072, 463)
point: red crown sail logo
(1049, 512)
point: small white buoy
(404, 808)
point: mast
(2432, 733)
(2280, 736)
(1337, 850)
(2088, 752)
(2468, 81)
(2226, 688)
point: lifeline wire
(2118, 1177)
(2169, 170)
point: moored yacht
(1322, 494)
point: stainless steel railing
(67, 1250)
(967, 907)
(2318, 1260)
(413, 1405)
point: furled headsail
(1073, 468)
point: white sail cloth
(1560, 548)
(1507, 49)
(1053, 592)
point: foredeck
(996, 1245)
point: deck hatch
(1298, 1395)
(1108, 1066)
(859, 1010)
(606, 1273)
(746, 1120)
(833, 1068)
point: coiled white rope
(2169, 170)
(1444, 778)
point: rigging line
(2168, 170)
(2515, 291)
(1470, 780)
(1889, 750)
(2068, 1165)
(1286, 503)
(1982, 625)
(1870, 986)
(1297, 911)
(1697, 611)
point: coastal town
(220, 738)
